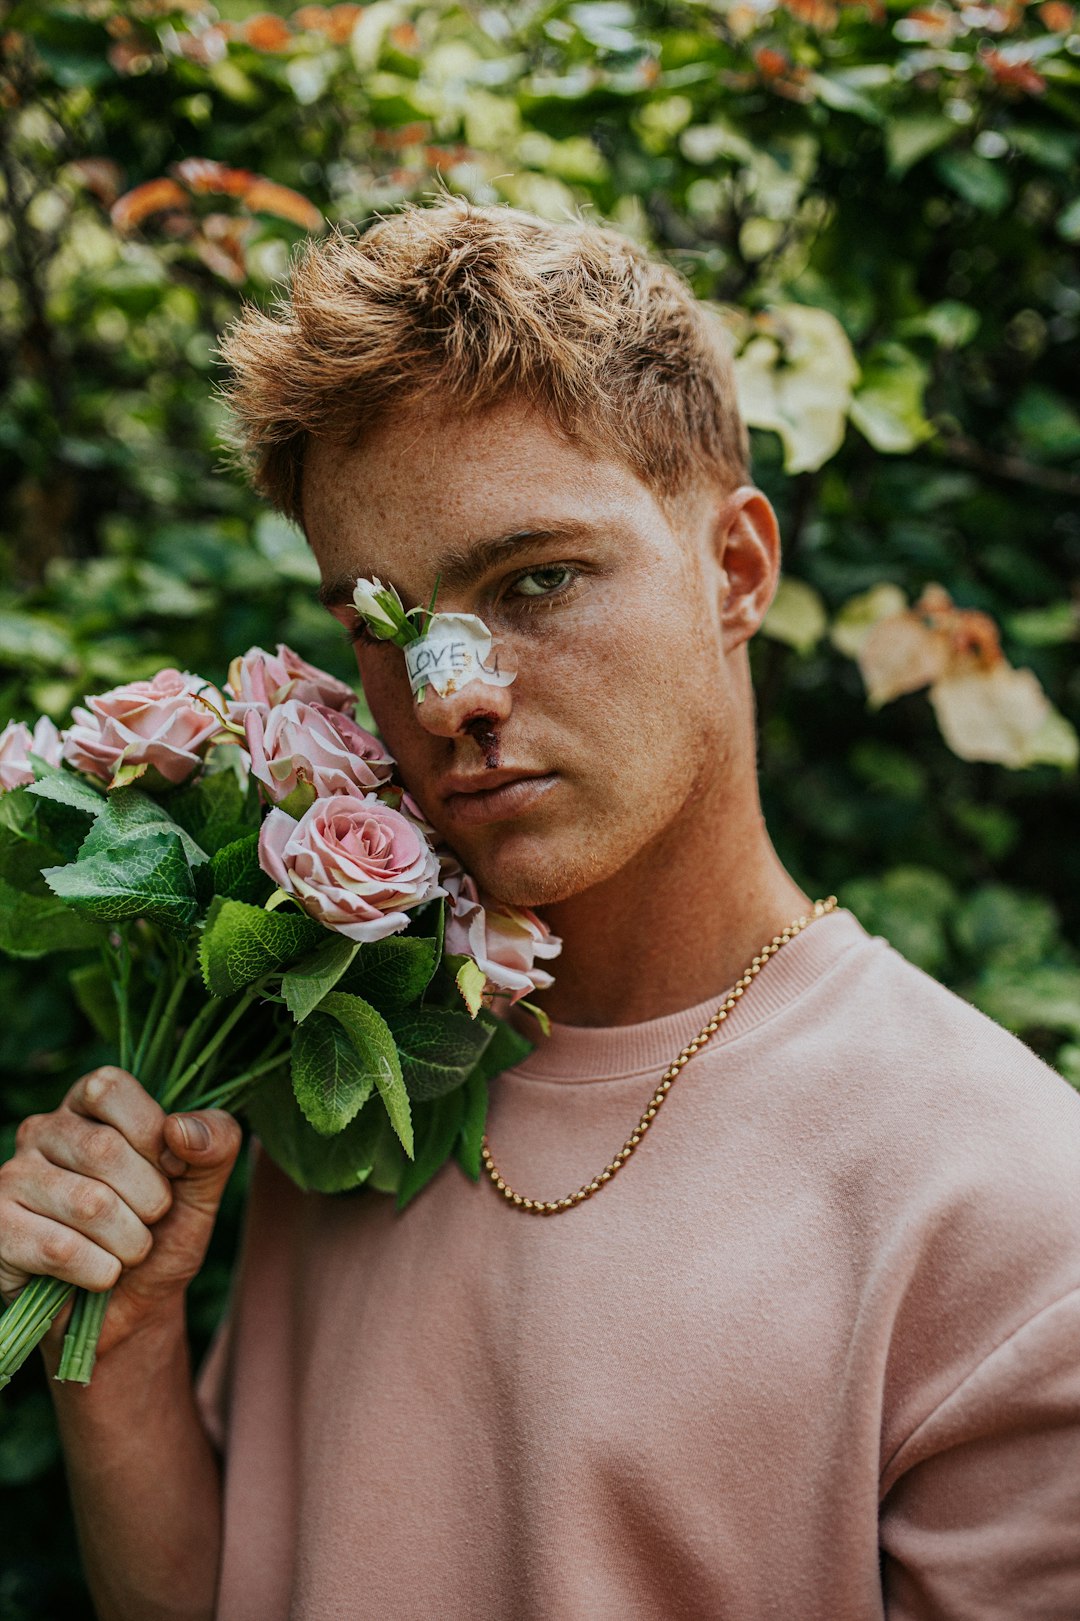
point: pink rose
(353, 863)
(156, 724)
(503, 940)
(16, 744)
(295, 743)
(270, 679)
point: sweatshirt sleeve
(980, 1516)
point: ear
(746, 545)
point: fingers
(34, 1246)
(208, 1141)
(114, 1097)
(88, 1206)
(104, 1153)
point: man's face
(631, 699)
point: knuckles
(26, 1132)
(102, 1149)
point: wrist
(152, 1342)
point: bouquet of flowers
(262, 921)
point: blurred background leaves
(878, 199)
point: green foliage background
(911, 172)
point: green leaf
(438, 1047)
(473, 1122)
(145, 877)
(318, 1164)
(241, 943)
(373, 1040)
(214, 809)
(25, 843)
(66, 788)
(129, 814)
(1040, 998)
(33, 925)
(332, 1080)
(237, 874)
(392, 973)
(437, 1127)
(304, 986)
(505, 1049)
(978, 180)
(910, 137)
(470, 980)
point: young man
(813, 1351)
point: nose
(450, 715)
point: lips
(494, 796)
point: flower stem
(173, 1089)
(26, 1321)
(166, 1024)
(223, 1096)
(81, 1339)
(150, 1024)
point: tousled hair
(461, 307)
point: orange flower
(265, 32)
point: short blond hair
(460, 306)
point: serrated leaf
(331, 1079)
(393, 973)
(33, 925)
(241, 943)
(237, 874)
(437, 1047)
(146, 877)
(128, 814)
(470, 980)
(317, 1164)
(66, 788)
(437, 1127)
(373, 1040)
(304, 986)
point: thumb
(208, 1141)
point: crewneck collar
(574, 1053)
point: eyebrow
(461, 565)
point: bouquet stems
(27, 1320)
(80, 1341)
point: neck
(681, 922)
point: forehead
(426, 484)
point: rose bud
(353, 863)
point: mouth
(494, 797)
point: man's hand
(108, 1191)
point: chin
(534, 871)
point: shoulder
(950, 1084)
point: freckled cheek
(390, 700)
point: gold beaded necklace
(550, 1207)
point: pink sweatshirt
(812, 1355)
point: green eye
(550, 579)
